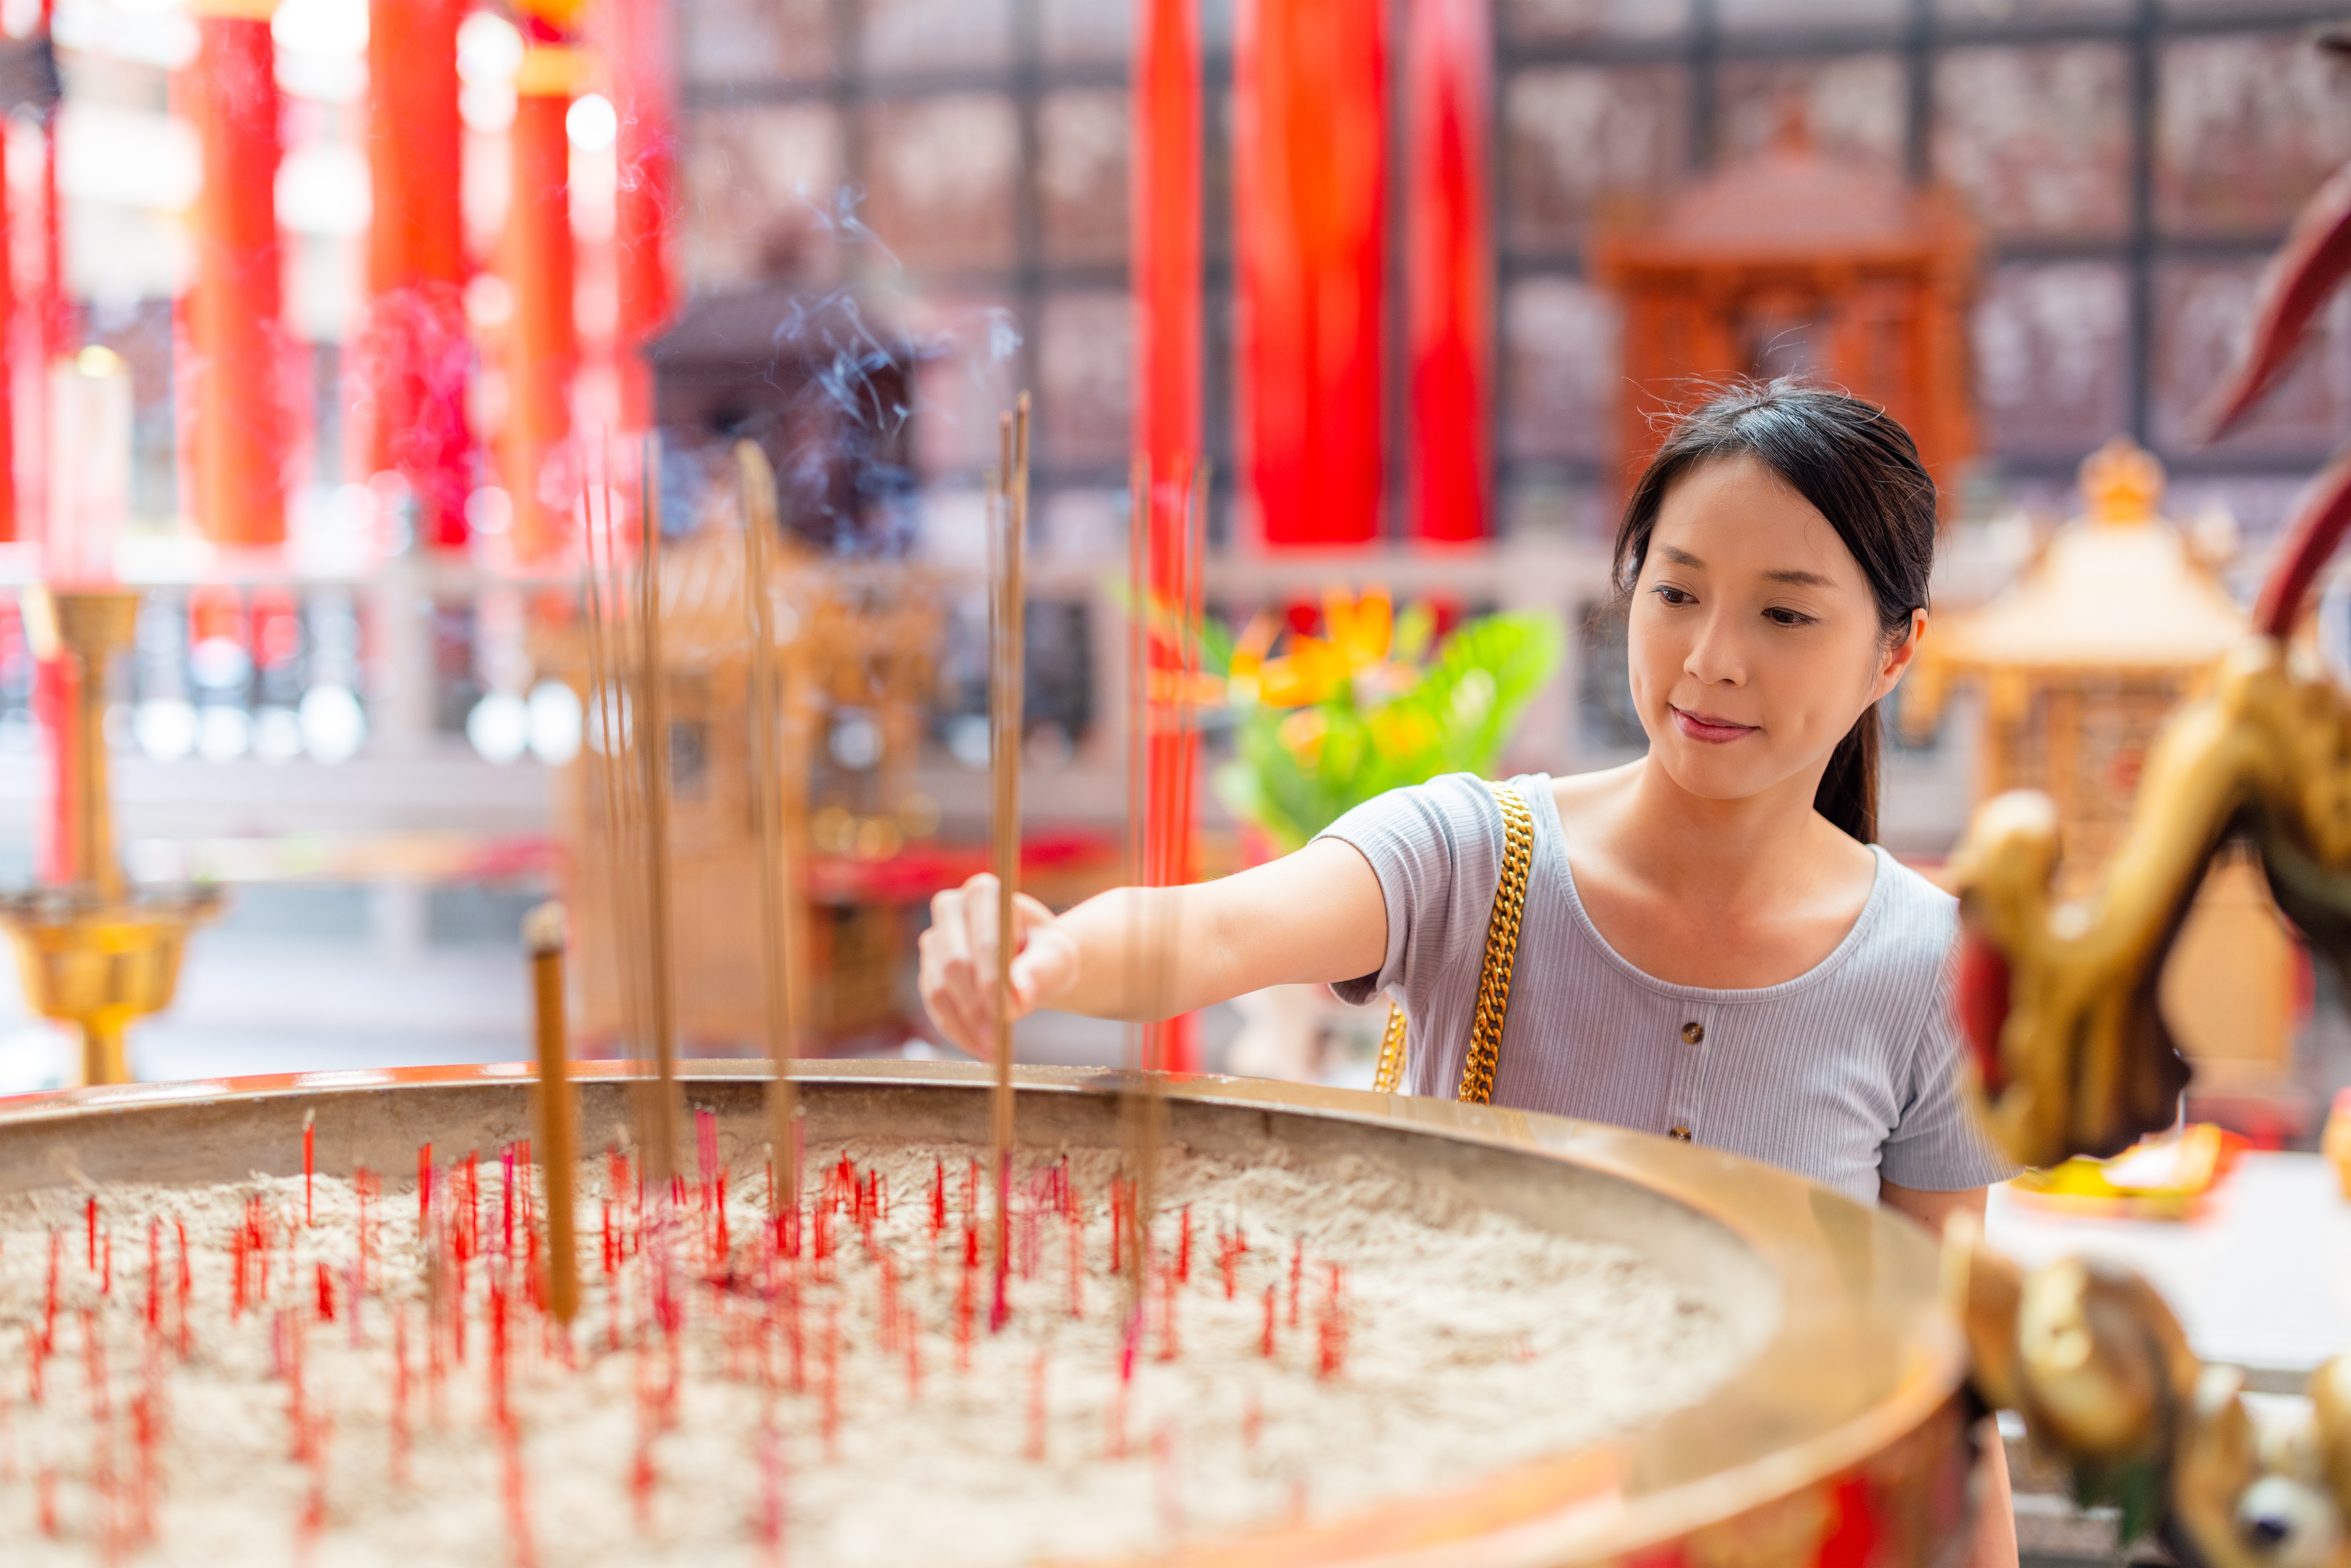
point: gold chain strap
(1493, 975)
(1391, 1068)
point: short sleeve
(1940, 1144)
(1436, 851)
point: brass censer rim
(1848, 1396)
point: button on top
(1681, 1134)
(1693, 1032)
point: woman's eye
(1669, 594)
(1789, 617)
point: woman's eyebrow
(1679, 556)
(1800, 578)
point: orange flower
(1314, 668)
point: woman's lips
(1707, 728)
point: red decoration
(1167, 232)
(242, 430)
(537, 265)
(416, 356)
(1167, 272)
(1450, 312)
(8, 529)
(645, 198)
(1309, 77)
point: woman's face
(1753, 637)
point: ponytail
(1847, 795)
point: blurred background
(328, 322)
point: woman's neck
(1731, 853)
(1727, 895)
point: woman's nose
(1715, 657)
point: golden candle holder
(93, 953)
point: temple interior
(410, 410)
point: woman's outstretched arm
(1150, 952)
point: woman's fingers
(946, 973)
(958, 962)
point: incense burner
(1840, 1425)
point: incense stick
(1004, 690)
(1142, 616)
(607, 663)
(778, 889)
(651, 732)
(1159, 796)
(543, 937)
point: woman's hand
(957, 975)
(1142, 954)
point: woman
(1712, 946)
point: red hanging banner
(241, 425)
(1450, 312)
(417, 355)
(1311, 154)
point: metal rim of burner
(1847, 1413)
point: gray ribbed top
(1845, 1073)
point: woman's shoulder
(1912, 899)
(1449, 808)
(1908, 937)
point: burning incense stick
(653, 751)
(780, 937)
(1011, 525)
(542, 935)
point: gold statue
(2058, 1000)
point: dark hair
(1859, 469)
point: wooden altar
(1793, 262)
(858, 644)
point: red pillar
(537, 262)
(8, 342)
(1310, 207)
(416, 356)
(1165, 270)
(242, 427)
(1448, 66)
(645, 164)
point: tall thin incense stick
(607, 662)
(1166, 586)
(542, 934)
(779, 888)
(652, 751)
(1011, 520)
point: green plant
(1329, 722)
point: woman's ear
(1898, 656)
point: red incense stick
(1034, 1448)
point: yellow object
(1361, 629)
(1493, 977)
(2160, 1178)
(2082, 1054)
(2334, 1142)
(92, 954)
(554, 71)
